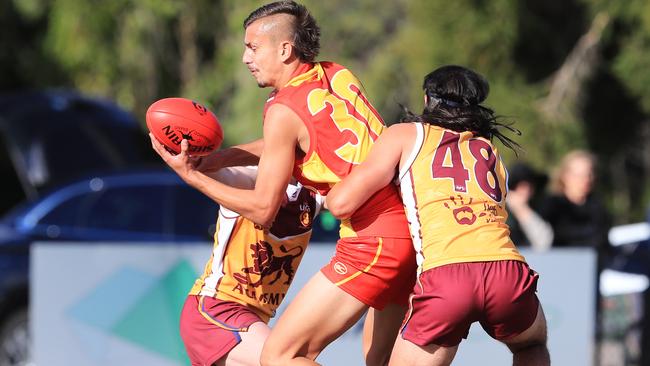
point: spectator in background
(576, 214)
(527, 228)
(578, 217)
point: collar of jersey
(315, 72)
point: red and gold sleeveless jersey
(342, 126)
(454, 187)
(253, 267)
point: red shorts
(375, 270)
(448, 299)
(210, 327)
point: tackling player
(453, 185)
(318, 125)
(224, 319)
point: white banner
(119, 304)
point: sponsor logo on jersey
(305, 219)
(340, 268)
(272, 298)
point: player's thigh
(536, 334)
(380, 329)
(249, 350)
(319, 314)
(406, 353)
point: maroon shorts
(375, 270)
(210, 327)
(446, 300)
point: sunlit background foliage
(569, 74)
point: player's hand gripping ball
(171, 120)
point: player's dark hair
(306, 33)
(454, 97)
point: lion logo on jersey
(266, 263)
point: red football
(171, 120)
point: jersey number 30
(350, 111)
(484, 165)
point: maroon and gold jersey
(454, 188)
(342, 126)
(253, 267)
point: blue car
(48, 138)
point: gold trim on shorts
(209, 318)
(365, 270)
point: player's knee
(536, 339)
(377, 357)
(270, 358)
(272, 361)
(527, 345)
(266, 360)
(534, 336)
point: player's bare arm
(281, 131)
(238, 176)
(238, 155)
(370, 176)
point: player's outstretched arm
(236, 176)
(238, 155)
(370, 176)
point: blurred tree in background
(568, 74)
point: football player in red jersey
(453, 185)
(318, 125)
